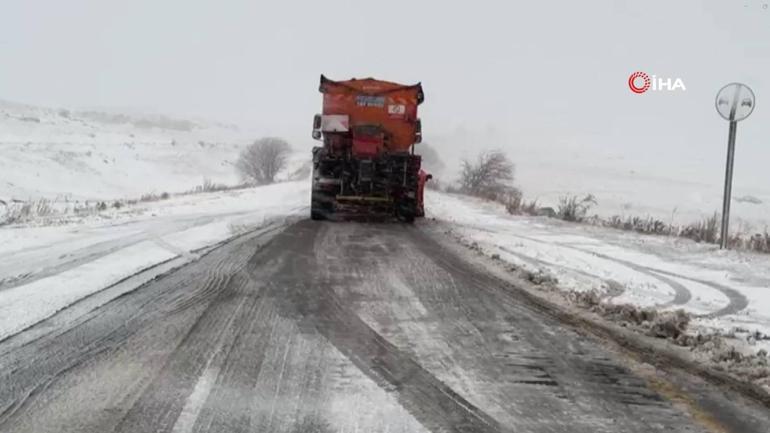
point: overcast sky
(535, 73)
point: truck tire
(409, 219)
(406, 211)
(321, 205)
(316, 215)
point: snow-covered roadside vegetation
(43, 269)
(490, 176)
(714, 303)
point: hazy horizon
(547, 82)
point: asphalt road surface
(326, 327)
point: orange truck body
(370, 101)
(367, 165)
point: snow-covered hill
(56, 153)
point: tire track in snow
(618, 288)
(682, 295)
(736, 300)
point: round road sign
(735, 102)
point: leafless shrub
(758, 242)
(490, 177)
(261, 161)
(522, 207)
(530, 208)
(574, 208)
(209, 185)
(706, 230)
(511, 198)
(154, 197)
(646, 225)
(27, 211)
(86, 208)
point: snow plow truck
(367, 166)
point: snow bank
(724, 290)
(45, 269)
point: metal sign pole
(728, 184)
(734, 102)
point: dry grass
(154, 197)
(574, 208)
(706, 230)
(648, 225)
(758, 242)
(28, 211)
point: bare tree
(491, 176)
(261, 161)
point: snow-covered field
(71, 160)
(56, 154)
(44, 269)
(663, 179)
(724, 290)
(60, 154)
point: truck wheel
(316, 215)
(406, 218)
(406, 211)
(320, 206)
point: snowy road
(324, 327)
